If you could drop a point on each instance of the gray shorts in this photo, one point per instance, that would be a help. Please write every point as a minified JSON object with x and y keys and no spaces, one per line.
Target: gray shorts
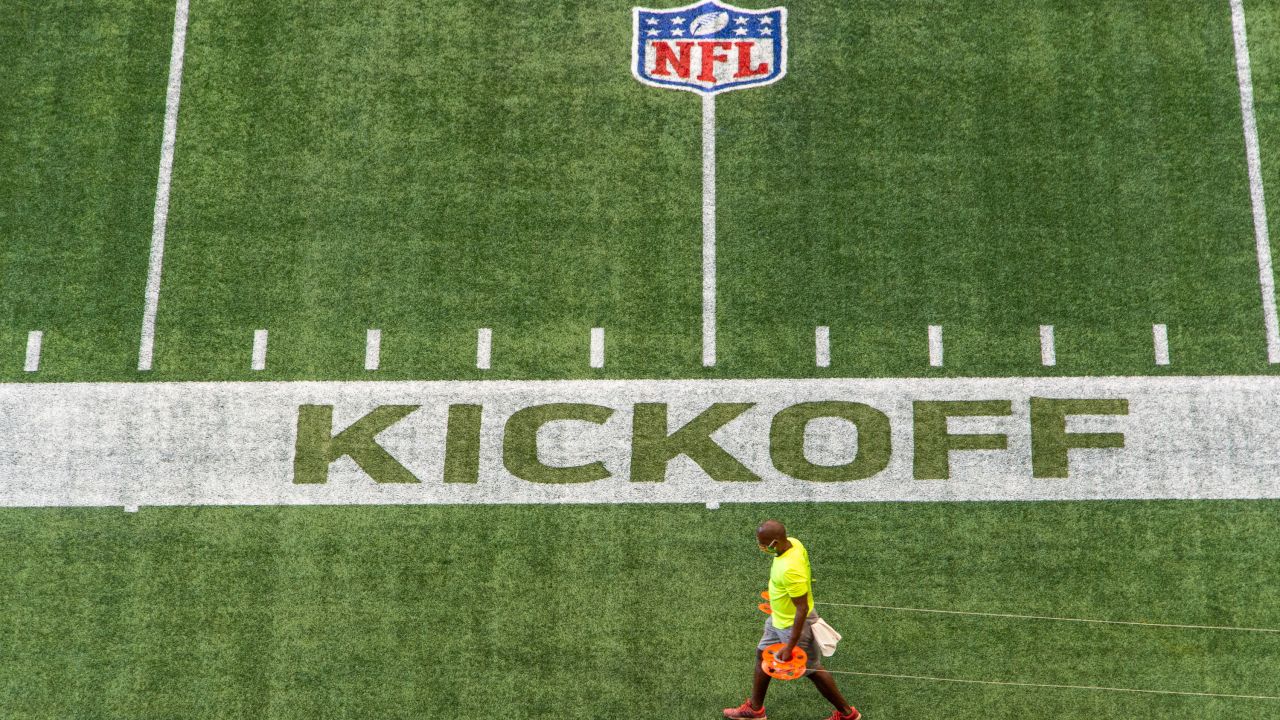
{"x":773,"y":635}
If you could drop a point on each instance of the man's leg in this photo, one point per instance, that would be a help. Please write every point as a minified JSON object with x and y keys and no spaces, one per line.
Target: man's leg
{"x":827,"y":686}
{"x":760,"y":685}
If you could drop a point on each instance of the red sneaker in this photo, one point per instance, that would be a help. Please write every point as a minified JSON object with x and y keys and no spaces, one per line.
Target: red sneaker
{"x":853,"y":715}
{"x":745,"y":711}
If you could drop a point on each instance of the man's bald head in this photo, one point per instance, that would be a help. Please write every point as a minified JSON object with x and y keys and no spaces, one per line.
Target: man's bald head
{"x":769,"y":531}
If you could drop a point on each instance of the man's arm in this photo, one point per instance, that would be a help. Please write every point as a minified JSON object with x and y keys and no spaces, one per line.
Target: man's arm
{"x":802,"y":612}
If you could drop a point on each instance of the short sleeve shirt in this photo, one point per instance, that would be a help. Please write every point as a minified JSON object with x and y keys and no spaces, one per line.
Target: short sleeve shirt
{"x":789,"y":577}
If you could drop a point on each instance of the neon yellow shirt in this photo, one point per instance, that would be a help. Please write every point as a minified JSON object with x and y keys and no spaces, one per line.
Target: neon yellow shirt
{"x":789,"y":577}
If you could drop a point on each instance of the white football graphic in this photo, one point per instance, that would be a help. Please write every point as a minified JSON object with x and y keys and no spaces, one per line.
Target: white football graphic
{"x":709,"y":23}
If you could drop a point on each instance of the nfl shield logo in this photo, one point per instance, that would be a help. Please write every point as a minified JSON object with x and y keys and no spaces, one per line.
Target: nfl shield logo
{"x":709,"y":47}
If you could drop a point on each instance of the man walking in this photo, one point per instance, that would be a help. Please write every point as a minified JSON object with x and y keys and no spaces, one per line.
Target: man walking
{"x":791,"y":599}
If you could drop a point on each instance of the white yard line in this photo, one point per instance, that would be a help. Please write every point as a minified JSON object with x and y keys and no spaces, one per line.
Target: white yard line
{"x":235,"y":443}
{"x":1160,"y":337}
{"x":597,"y":347}
{"x":1266,"y":278}
{"x":259,"y":350}
{"x":1012,"y":616}
{"x":708,"y":230}
{"x":160,"y":217}
{"x":34,"y":339}
{"x":1048,"y":354}
{"x":822,"y":343}
{"x":484,"y":347}
{"x":1056,"y":687}
{"x":935,"y":345}
{"x":372,"y":348}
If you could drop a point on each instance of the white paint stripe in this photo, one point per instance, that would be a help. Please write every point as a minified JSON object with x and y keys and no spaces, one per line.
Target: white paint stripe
{"x":372,"y":348}
{"x":259,"y":350}
{"x":1266,"y":277}
{"x":1048,"y":354}
{"x":597,"y":347}
{"x":34,"y":339}
{"x":708,"y":230}
{"x":1160,"y":337}
{"x":233,"y":443}
{"x":822,"y":341}
{"x":935,"y":345}
{"x":1054,"y":686}
{"x":131,"y":508}
{"x":160,"y":216}
{"x":484,"y":347}
{"x":1058,"y":619}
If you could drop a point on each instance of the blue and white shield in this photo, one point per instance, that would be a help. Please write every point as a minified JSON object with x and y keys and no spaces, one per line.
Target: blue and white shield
{"x":709,"y":47}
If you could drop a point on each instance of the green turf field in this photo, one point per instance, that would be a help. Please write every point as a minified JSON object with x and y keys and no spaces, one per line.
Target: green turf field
{"x":621,"y":612}
{"x":432,"y":168}
{"x":81,"y":111}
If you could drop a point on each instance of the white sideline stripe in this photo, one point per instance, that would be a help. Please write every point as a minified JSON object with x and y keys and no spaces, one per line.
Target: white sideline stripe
{"x":484,"y":345}
{"x":160,"y":217}
{"x":1012,"y":616}
{"x":1160,"y":336}
{"x":234,"y":443}
{"x":1048,"y":354}
{"x":372,"y":348}
{"x":1266,"y":278}
{"x":259,"y":350}
{"x":34,"y":339}
{"x":935,"y":345}
{"x":597,"y":347}
{"x":131,"y":508}
{"x":1054,"y":686}
{"x":708,"y":230}
{"x":822,"y":341}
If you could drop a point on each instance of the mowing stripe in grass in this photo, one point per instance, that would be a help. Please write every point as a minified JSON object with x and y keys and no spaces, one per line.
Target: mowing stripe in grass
{"x":32,"y":363}
{"x":1057,"y":687}
{"x":372,"y":348}
{"x":259,"y":361}
{"x":1257,"y":199}
{"x":1160,"y":337}
{"x":822,"y":339}
{"x":484,"y":343}
{"x":161,"y":215}
{"x":1048,"y":354}
{"x":1013,"y":616}
{"x":935,"y":345}
{"x":708,"y":230}
{"x":597,"y":347}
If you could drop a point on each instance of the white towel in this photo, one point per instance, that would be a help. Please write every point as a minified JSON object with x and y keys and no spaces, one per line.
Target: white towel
{"x":826,"y":636}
